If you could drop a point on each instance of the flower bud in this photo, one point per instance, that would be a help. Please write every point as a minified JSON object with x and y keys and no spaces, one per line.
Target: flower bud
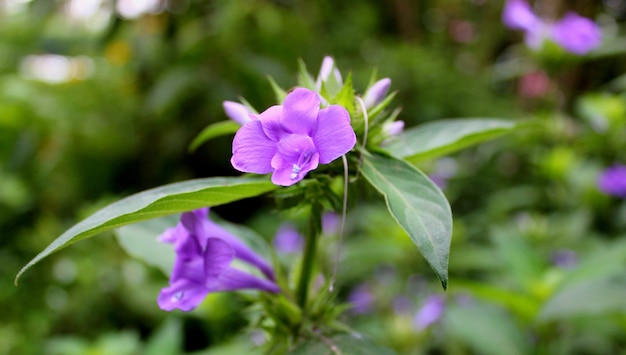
{"x":377,"y":92}
{"x":237,"y":112}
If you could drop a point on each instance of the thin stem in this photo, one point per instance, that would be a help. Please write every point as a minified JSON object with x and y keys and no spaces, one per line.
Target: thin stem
{"x":343,"y":222}
{"x":310,"y":249}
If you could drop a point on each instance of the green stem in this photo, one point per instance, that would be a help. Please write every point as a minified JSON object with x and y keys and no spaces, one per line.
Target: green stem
{"x":310,"y":249}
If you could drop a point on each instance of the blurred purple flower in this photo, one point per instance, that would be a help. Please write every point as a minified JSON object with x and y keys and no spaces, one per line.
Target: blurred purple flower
{"x":431,"y":311}
{"x":237,"y":112}
{"x":288,"y":240}
{"x":204,"y":254}
{"x":376,"y":93}
{"x":576,"y":34}
{"x":402,"y":305}
{"x":564,"y":258}
{"x":330,"y":223}
{"x":292,"y":139}
{"x":361,"y":299}
{"x":612,"y":181}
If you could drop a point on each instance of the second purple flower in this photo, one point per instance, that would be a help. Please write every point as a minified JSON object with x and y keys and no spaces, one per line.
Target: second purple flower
{"x":291,"y":139}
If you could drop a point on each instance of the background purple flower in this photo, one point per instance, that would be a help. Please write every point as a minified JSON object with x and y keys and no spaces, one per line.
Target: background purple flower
{"x":612,"y":181}
{"x":288,"y":240}
{"x":290,"y":140}
{"x":431,"y":311}
{"x":203,"y":264}
{"x":577,"y":34}
{"x":362,"y":299}
{"x":574,"y":33}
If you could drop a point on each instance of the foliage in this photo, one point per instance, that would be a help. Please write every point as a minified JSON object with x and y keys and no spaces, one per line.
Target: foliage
{"x":537,"y":250}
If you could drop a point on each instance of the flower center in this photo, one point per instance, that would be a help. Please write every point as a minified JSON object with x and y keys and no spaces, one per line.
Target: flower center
{"x":303,"y":160}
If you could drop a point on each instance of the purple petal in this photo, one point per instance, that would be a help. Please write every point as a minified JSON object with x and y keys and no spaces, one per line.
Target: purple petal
{"x":431,"y":311}
{"x":233,"y":279}
{"x":376,"y":93}
{"x":217,"y":257}
{"x":171,"y":235}
{"x":203,"y":228}
{"x":237,"y":112}
{"x":184,"y":294}
{"x":577,"y":34}
{"x":518,"y":15}
{"x":252,"y":149}
{"x":300,"y":110}
{"x":612,"y":181}
{"x":334,"y":136}
{"x":270,"y":120}
{"x":286,"y":174}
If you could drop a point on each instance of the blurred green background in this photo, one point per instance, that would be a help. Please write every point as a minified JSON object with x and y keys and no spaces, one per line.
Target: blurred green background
{"x":100,"y":99}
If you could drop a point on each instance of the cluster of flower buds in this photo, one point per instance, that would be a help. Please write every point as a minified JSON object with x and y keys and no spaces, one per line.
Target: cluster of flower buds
{"x":315,"y":123}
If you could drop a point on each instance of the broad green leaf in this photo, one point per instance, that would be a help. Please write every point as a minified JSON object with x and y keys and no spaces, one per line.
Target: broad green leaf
{"x":345,"y":344}
{"x":167,"y":339}
{"x":417,"y":204}
{"x":587,"y":298}
{"x":214,"y":130}
{"x":442,"y":137}
{"x":140,"y":241}
{"x":486,"y":329}
{"x":157,"y":202}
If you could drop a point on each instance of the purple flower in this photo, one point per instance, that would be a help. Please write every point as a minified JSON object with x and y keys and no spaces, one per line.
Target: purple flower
{"x":288,"y":240}
{"x":204,"y":256}
{"x":361,"y":299}
{"x":612,"y":181}
{"x":290,"y":140}
{"x":431,"y":311}
{"x":237,"y":112}
{"x":376,"y":93}
{"x":574,"y":33}
{"x":564,"y":258}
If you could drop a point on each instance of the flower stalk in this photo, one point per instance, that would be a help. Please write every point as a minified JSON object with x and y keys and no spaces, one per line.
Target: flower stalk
{"x":313,"y":232}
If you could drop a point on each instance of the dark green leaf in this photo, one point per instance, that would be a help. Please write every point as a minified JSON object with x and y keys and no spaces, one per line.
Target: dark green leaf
{"x":442,"y":137}
{"x":157,"y":202}
{"x":214,"y":130}
{"x":417,"y":204}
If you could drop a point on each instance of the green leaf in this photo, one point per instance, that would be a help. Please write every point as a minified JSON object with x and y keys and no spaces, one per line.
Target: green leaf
{"x":485,"y":329}
{"x":157,"y":202}
{"x":417,"y":204}
{"x":345,"y":344}
{"x":587,"y":298}
{"x":434,"y":139}
{"x":140,"y":241}
{"x":304,"y":78}
{"x":214,"y":130}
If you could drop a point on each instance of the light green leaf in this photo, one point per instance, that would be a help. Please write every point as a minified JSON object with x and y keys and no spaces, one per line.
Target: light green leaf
{"x":140,"y":241}
{"x":417,"y":204}
{"x":157,"y":202}
{"x":341,"y":344}
{"x":587,"y":298}
{"x":214,"y":130}
{"x":486,"y":329}
{"x":434,"y":139}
